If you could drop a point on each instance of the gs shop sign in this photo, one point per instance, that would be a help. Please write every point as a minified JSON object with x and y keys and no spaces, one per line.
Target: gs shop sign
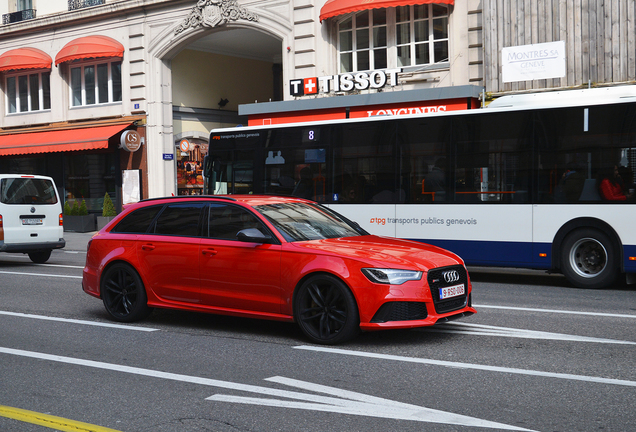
{"x":344,"y":82}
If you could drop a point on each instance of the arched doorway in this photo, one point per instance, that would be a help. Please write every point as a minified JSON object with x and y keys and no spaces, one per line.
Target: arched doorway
{"x":211,"y":77}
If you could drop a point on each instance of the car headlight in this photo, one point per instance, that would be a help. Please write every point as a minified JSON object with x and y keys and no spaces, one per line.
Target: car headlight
{"x":391,"y":276}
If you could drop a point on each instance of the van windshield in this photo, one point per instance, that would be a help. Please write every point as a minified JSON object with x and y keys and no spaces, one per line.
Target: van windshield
{"x":27,"y":191}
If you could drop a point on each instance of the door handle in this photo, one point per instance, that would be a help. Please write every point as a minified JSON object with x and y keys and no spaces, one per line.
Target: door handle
{"x":147,"y":247}
{"x":209,"y":252}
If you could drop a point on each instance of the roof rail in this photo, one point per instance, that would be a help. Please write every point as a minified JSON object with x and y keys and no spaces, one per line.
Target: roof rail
{"x":228,"y":198}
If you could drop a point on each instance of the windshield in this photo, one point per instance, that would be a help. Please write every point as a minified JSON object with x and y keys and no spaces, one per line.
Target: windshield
{"x":300,"y":222}
{"x":26,"y":190}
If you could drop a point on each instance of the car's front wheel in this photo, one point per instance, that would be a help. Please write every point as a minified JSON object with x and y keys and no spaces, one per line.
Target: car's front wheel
{"x":124,"y":294}
{"x":326,"y":311}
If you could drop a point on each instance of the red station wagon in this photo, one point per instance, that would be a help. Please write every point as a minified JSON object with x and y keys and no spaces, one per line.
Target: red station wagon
{"x":276,"y":258}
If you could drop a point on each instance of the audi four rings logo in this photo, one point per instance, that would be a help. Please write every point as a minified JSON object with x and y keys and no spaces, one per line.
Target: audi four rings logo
{"x":451,"y":276}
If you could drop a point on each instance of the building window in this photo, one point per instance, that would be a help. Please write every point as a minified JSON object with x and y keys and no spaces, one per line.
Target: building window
{"x":394,"y":37}
{"x":96,"y":83}
{"x":362,"y":41}
{"x":24,"y":5}
{"x":30,"y":92}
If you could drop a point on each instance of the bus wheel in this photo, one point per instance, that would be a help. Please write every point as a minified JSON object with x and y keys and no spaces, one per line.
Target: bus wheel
{"x":588,"y":259}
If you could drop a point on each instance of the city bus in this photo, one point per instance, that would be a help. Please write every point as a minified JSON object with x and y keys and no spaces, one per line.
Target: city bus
{"x":520,"y":183}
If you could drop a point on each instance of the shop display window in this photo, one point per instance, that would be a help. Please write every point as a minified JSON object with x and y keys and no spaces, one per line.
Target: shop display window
{"x":88,"y":177}
{"x":190,"y":153}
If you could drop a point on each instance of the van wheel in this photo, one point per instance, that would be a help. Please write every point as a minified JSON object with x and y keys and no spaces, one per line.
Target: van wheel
{"x":588,"y":259}
{"x":40,"y":257}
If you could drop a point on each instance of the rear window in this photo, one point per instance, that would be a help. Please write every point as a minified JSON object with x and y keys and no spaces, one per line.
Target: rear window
{"x":138,"y":221}
{"x":27,"y":191}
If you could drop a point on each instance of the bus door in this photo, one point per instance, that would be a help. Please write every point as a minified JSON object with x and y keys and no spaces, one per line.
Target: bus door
{"x":229,"y":172}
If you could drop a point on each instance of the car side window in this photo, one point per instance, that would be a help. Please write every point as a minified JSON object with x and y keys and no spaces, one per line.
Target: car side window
{"x":138,"y":221}
{"x":225,"y":221}
{"x":180,"y":219}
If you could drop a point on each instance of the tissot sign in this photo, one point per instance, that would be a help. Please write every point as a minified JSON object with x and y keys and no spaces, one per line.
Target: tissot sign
{"x":344,"y":82}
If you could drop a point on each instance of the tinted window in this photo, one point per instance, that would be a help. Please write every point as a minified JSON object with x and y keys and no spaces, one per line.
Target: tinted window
{"x":575,"y":157}
{"x":27,"y":191}
{"x":225,"y":221}
{"x":180,"y":219}
{"x":492,"y":163}
{"x":137,"y":221}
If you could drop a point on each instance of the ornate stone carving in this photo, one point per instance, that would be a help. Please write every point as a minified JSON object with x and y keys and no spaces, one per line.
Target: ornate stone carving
{"x":213,"y":13}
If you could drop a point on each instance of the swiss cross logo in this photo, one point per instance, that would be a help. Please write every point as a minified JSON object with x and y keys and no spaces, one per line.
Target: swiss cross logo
{"x":306,"y":86}
{"x":310,"y":85}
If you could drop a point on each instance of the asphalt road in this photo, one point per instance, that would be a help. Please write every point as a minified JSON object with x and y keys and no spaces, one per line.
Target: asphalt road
{"x":539,"y":355}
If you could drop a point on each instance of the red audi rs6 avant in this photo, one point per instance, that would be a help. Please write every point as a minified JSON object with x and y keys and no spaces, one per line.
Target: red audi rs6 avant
{"x":276,"y":258}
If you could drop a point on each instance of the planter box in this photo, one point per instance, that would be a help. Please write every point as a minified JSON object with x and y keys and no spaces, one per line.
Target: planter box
{"x":102,"y":221}
{"x":79,"y":223}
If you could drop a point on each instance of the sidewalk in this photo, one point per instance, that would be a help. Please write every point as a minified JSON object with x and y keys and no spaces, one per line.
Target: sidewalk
{"x":77,"y":241}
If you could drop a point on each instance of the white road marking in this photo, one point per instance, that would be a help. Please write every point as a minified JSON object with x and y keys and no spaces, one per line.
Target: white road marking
{"x":345,"y":402}
{"x":60,"y":265}
{"x":40,"y":274}
{"x":486,"y":330}
{"x":457,"y":365}
{"x":75,"y":321}
{"x":557,"y":311}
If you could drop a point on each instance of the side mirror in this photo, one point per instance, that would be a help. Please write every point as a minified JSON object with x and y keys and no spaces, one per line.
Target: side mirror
{"x":253,"y":235}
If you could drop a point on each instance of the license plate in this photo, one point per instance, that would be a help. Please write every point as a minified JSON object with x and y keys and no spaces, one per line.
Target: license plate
{"x":32,"y":221}
{"x":451,"y":291}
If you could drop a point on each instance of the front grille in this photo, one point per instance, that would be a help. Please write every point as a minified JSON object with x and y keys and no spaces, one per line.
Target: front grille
{"x":436,"y":281}
{"x":400,"y":311}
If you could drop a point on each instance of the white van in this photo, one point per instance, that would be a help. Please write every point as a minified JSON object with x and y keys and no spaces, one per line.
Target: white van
{"x":30,"y":216}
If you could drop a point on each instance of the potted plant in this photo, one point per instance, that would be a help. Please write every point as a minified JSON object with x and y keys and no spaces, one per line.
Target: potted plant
{"x":77,"y":218}
{"x":108,"y":212}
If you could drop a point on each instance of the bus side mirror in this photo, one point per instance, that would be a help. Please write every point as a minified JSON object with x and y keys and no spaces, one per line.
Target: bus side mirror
{"x":206,"y":166}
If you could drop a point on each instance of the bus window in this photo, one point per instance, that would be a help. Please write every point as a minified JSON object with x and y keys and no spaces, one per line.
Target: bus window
{"x":492,"y":159}
{"x":578,"y":147}
{"x":365,"y":164}
{"x":424,"y":159}
{"x":298,"y":170}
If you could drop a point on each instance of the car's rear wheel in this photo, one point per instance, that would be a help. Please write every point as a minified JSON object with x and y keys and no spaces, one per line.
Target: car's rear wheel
{"x":326,"y":311}
{"x":124,"y":294}
{"x":40,"y":257}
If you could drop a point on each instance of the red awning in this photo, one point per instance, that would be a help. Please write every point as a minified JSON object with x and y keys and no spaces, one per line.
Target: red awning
{"x":89,"y":47}
{"x":88,"y":138}
{"x":340,"y":7}
{"x":24,"y":58}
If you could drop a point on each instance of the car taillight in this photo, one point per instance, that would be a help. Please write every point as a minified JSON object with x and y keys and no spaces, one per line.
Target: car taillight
{"x":1,"y":230}
{"x":88,"y":245}
{"x":0,"y":221}
{"x":61,"y":219}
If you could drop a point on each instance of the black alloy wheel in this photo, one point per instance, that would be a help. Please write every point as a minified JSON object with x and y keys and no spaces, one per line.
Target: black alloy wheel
{"x":326,"y":311}
{"x":124,"y":294}
{"x":40,"y":257}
